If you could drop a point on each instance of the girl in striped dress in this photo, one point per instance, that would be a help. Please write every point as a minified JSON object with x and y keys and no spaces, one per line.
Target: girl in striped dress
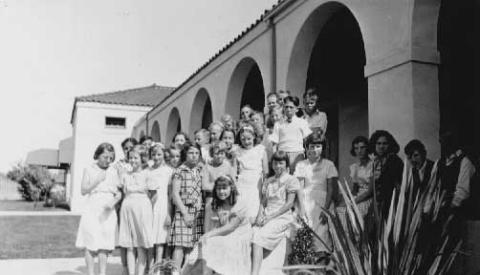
{"x":187,"y":224}
{"x":135,"y":232}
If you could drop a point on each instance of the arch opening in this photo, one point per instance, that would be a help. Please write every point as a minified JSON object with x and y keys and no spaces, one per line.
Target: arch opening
{"x":245,"y":87}
{"x":155,"y":132}
{"x":201,"y":115}
{"x":458,"y":86}
{"x":174,"y":124}
{"x":329,"y":55}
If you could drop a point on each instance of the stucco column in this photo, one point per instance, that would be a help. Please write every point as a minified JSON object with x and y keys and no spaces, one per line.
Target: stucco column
{"x":403,"y":99}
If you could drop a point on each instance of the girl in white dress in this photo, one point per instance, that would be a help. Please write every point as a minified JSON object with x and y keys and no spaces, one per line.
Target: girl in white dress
{"x":96,"y":231}
{"x":158,"y":180}
{"x":275,"y":214}
{"x":318,"y":176}
{"x":226,"y":249}
{"x":252,"y":165}
{"x":136,"y":224}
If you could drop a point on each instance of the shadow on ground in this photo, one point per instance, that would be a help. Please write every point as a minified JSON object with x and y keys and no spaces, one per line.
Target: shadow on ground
{"x":112,"y":269}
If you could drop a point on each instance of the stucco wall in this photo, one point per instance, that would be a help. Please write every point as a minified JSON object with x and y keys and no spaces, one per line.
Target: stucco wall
{"x":89,"y":131}
{"x":401,"y":64}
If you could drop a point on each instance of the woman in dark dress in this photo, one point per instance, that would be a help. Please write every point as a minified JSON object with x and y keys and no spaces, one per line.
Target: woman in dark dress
{"x":387,"y":168}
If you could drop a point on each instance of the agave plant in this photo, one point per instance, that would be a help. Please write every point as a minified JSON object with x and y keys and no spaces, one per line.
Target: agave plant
{"x":412,"y":239}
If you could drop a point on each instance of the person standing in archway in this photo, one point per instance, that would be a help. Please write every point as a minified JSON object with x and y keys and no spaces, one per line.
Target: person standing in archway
{"x":288,"y":135}
{"x":316,"y":119}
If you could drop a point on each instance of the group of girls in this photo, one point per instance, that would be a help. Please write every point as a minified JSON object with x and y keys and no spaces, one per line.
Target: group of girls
{"x":220,"y":203}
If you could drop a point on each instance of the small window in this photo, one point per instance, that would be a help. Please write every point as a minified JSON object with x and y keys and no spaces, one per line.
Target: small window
{"x":115,"y":122}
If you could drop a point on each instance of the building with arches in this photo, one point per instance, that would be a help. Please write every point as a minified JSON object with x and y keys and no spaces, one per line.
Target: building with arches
{"x":107,"y":117}
{"x":390,"y":65}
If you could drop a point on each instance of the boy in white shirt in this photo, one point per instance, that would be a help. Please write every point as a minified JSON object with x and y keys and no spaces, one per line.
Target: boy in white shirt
{"x":288,"y":135}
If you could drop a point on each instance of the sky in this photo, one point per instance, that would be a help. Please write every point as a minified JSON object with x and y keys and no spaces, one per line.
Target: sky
{"x":54,"y":50}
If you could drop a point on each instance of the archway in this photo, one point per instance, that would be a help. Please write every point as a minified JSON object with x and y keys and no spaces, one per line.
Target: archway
{"x":245,"y":87}
{"x":458,"y":72}
{"x":174,"y":124}
{"x":329,"y":54}
{"x":201,"y":115}
{"x":155,"y":133}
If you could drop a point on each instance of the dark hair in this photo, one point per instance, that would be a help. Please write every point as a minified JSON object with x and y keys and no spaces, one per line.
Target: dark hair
{"x":284,"y":91}
{"x":393,"y":146}
{"x":279,"y":156}
{"x":312,"y":91}
{"x":187,"y":140}
{"x":141,"y":150}
{"x":186,"y":147}
{"x":292,"y":99}
{"x":142,"y":139}
{"x":131,"y":140}
{"x":247,"y":127}
{"x":102,"y":148}
{"x":358,"y":140}
{"x":216,"y":202}
{"x":415,"y":145}
{"x":316,"y":138}
{"x":228,"y":130}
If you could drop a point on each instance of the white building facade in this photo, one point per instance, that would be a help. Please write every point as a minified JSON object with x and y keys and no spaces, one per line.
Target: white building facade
{"x":108,"y":118}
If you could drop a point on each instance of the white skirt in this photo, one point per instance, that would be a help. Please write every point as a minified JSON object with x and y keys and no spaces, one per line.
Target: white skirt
{"x":98,"y":224}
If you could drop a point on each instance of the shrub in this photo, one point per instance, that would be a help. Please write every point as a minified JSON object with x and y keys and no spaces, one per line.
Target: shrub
{"x":34,"y":181}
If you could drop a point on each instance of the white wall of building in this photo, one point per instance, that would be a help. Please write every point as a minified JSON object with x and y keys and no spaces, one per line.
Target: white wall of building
{"x":89,"y":130}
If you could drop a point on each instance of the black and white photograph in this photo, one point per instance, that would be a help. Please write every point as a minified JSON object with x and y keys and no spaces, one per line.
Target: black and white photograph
{"x":240,"y":137}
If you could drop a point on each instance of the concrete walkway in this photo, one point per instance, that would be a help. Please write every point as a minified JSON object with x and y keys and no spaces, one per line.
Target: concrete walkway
{"x":38,"y":213}
{"x":63,"y":266}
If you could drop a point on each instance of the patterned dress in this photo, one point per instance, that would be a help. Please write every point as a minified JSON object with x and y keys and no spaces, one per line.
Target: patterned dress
{"x":275,"y":190}
{"x":315,"y":176}
{"x":190,"y":180}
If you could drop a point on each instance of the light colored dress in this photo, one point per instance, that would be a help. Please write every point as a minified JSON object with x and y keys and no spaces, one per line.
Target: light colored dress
{"x":362,"y":175}
{"x":275,"y":190}
{"x":229,"y":254}
{"x":250,"y":172}
{"x":136,"y":225}
{"x":159,"y":180}
{"x":315,"y":177}
{"x":98,"y":223}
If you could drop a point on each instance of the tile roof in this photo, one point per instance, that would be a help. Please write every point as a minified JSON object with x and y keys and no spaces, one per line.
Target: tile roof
{"x":279,"y":6}
{"x":148,"y":96}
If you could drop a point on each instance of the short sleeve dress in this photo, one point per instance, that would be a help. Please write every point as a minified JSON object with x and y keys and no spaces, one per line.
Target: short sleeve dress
{"x":250,"y":171}
{"x":191,"y":195}
{"x":275,"y":190}
{"x":158,"y":179}
{"x":136,"y":214}
{"x":315,"y":176}
{"x":228,"y":254}
{"x":362,"y":175}
{"x":98,"y":223}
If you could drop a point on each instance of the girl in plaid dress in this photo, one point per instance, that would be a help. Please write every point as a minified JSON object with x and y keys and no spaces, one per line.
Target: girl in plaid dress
{"x":187,"y":224}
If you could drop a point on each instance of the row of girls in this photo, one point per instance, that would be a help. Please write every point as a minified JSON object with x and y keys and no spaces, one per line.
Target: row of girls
{"x":220,"y":202}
